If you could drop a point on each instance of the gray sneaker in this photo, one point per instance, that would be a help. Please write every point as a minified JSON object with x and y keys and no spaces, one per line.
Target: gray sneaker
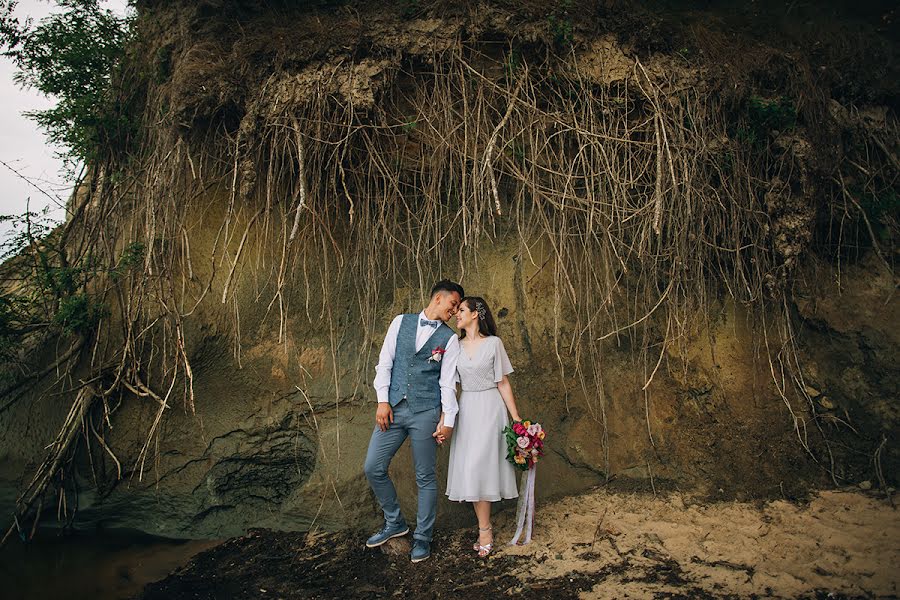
{"x":420,"y":551}
{"x":387,"y":532}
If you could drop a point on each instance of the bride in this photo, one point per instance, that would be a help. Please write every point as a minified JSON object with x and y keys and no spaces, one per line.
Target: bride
{"x":479,"y":472}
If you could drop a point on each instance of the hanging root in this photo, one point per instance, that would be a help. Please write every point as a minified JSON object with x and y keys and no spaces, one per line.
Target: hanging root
{"x":58,"y":454}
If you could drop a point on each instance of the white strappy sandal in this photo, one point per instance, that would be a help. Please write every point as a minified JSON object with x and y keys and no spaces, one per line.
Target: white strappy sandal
{"x":484,"y":550}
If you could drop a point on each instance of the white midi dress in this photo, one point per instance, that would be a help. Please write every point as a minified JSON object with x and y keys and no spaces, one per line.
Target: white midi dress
{"x":478,"y":468}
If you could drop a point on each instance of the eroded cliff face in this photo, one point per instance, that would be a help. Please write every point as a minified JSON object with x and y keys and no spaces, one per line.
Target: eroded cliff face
{"x":718,"y":401}
{"x":271,"y":443}
{"x":259,"y":453}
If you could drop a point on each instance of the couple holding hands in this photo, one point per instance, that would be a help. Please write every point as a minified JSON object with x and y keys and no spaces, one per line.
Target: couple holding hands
{"x":421,"y":361}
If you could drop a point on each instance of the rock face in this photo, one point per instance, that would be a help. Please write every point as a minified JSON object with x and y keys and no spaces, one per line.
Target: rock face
{"x":849,"y":340}
{"x":272,"y":427}
{"x":233,"y":485}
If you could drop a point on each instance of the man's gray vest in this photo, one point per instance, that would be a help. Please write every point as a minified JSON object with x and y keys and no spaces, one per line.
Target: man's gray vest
{"x":413,"y":376}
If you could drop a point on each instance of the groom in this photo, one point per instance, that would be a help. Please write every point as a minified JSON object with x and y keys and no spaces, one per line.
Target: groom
{"x":415,"y":384}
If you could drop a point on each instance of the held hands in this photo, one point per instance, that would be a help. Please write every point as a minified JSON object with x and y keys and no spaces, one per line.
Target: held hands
{"x":441,"y":433}
{"x":384,"y":416}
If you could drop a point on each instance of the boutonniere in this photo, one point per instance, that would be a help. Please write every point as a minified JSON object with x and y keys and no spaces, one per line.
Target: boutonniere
{"x":437,"y":354}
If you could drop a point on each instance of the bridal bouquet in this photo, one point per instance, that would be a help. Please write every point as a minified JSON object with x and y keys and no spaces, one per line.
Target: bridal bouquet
{"x":524,"y":448}
{"x":524,"y":444}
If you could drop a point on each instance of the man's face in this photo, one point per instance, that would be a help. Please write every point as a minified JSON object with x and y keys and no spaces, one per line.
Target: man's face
{"x":447,"y":305}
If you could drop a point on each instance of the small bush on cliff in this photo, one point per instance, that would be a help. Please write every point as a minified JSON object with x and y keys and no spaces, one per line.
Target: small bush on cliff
{"x":560,"y":25}
{"x":45,"y":292}
{"x":764,"y":116}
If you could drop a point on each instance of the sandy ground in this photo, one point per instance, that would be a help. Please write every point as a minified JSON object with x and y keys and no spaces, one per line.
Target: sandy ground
{"x":598,"y":545}
{"x":842,"y":542}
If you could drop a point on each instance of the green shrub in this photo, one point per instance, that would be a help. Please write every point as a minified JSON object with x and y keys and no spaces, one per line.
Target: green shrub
{"x":560,"y":24}
{"x":73,"y":56}
{"x":762,"y":116}
{"x":131,"y":257}
{"x":79,"y":314}
{"x":771,"y":114}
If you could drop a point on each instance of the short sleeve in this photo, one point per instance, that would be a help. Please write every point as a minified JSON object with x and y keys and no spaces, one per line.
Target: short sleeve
{"x":502,"y":366}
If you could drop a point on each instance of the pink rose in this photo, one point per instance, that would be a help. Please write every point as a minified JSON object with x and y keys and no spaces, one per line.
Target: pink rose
{"x":534,"y":429}
{"x":522,"y":442}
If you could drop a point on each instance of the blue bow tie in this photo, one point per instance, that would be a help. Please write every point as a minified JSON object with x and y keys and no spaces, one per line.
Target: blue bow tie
{"x":427,"y":323}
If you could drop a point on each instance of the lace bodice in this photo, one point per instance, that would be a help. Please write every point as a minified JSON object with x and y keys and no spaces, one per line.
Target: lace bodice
{"x":486,"y":368}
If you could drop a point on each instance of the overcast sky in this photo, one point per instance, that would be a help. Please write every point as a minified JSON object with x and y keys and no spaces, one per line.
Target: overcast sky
{"x":22,"y":145}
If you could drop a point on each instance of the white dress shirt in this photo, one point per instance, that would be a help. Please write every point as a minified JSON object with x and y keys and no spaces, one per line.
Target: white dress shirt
{"x":382,"y":383}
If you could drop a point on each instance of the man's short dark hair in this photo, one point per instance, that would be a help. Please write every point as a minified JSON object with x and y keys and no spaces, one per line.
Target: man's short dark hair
{"x":445,"y":285}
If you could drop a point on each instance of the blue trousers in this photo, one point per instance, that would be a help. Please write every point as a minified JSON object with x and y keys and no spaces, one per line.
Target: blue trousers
{"x":382,"y":447}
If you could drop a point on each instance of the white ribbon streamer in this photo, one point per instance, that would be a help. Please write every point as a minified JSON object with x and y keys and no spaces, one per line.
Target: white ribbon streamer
{"x":525,"y":508}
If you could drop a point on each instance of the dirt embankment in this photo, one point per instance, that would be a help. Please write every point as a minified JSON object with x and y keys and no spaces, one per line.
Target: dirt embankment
{"x":615,"y":259}
{"x":601,"y":545}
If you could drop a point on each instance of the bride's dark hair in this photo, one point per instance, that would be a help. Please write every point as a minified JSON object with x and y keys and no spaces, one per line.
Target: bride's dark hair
{"x":486,"y":325}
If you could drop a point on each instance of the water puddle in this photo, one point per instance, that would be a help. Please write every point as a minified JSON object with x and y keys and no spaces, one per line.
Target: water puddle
{"x":95,"y":567}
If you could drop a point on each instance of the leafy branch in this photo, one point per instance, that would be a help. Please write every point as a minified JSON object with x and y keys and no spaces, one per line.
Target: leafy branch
{"x":75,"y":56}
